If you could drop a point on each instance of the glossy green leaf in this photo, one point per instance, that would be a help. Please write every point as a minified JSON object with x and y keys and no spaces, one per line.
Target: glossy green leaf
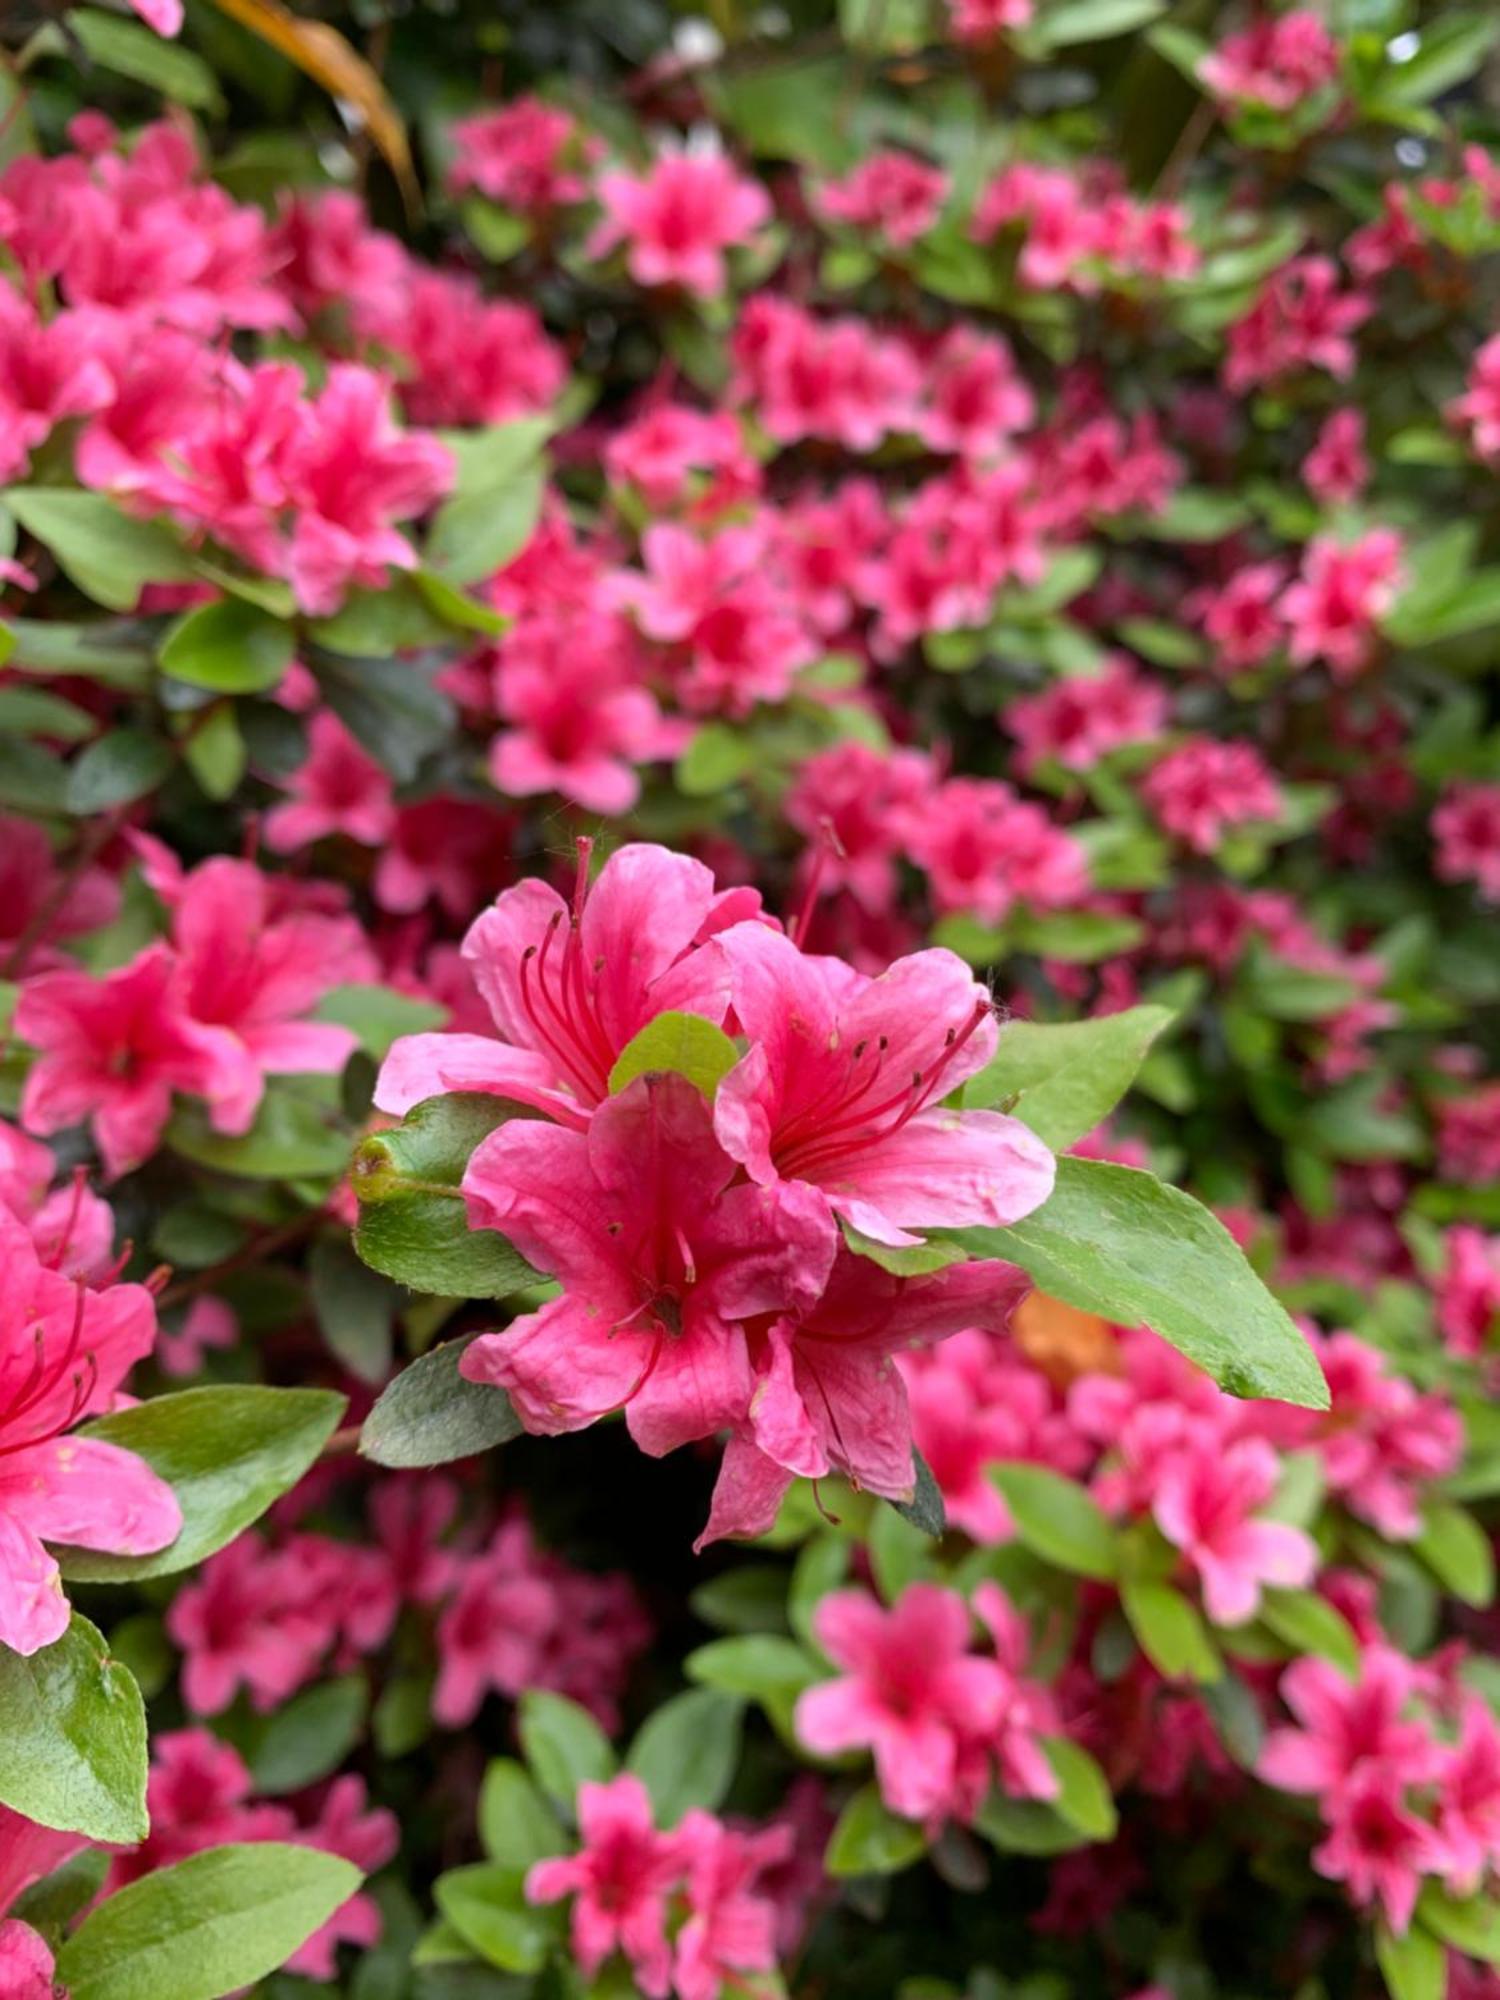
{"x":869,"y":1839}
{"x":562,"y":1743}
{"x":73,"y":1738}
{"x":430,"y":1415}
{"x":1059,"y":1520}
{"x":680,"y":1045}
{"x":1062,"y":1080}
{"x":687,"y":1752}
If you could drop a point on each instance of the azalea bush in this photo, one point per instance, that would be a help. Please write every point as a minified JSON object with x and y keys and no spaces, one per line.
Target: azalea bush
{"x":750,"y":1106}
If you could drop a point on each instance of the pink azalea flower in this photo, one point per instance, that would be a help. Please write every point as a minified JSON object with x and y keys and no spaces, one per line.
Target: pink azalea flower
{"x":339,"y":788}
{"x":984,"y":850}
{"x":50,"y":370}
{"x":569,"y":986}
{"x":1469,"y":1800}
{"x":1205,"y":1506}
{"x":661,"y":1263}
{"x":198,"y":1795}
{"x":619,"y":1880}
{"x":827,"y":1395}
{"x":866,"y":799}
{"x":678,"y":219}
{"x":72,"y":1228}
{"x":454,"y":851}
{"x":246,"y":977}
{"x":27,"y":1853}
{"x":844,"y":1084}
{"x":893,"y":194}
{"x":525,"y":155}
{"x":974,"y":395}
{"x":1478,"y":409}
{"x":1466,"y":826}
{"x":112,"y":1051}
{"x":1349,"y":1729}
{"x":1337,"y":469}
{"x":248,"y":1619}
{"x":731,"y":1923}
{"x":913,"y":1692}
{"x":662,"y":449}
{"x":1300,"y":319}
{"x":1468,"y":1299}
{"x":64,"y":1351}
{"x":1243,"y":620}
{"x":1278,"y":61}
{"x":1206,"y":787}
{"x":165,"y":16}
{"x":1344,"y":589}
{"x":26,"y":1965}
{"x":1381,"y":1440}
{"x":1379,"y":1849}
{"x":1022,"y":1767}
{"x":1079,"y":720}
{"x":207,"y":1324}
{"x":469,"y":359}
{"x":367,"y":1838}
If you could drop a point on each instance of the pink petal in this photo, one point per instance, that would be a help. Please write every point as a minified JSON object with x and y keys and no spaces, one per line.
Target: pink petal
{"x":93,"y":1494}
{"x":422,"y":1066}
{"x":33,"y":1610}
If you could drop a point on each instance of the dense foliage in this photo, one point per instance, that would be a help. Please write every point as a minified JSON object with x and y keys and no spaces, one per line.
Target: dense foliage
{"x":750,"y":1121}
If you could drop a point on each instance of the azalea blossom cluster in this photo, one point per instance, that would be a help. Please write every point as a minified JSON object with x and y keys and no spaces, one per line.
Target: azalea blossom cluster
{"x":705,"y":1282}
{"x":611,"y":783}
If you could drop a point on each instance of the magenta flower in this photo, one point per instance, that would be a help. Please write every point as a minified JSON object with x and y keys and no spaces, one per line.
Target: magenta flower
{"x":1378,"y":1847}
{"x":678,"y":219}
{"x":844,"y":1084}
{"x":1349,"y":1728}
{"x":247,"y":976}
{"x":730,"y":1928}
{"x":828,"y":1396}
{"x":1205,"y":1505}
{"x":113,"y":1050}
{"x":912,"y":1692}
{"x":64,"y":1351}
{"x":619,"y":1881}
{"x":25,"y":1963}
{"x":662,"y":1262}
{"x":568,"y":987}
{"x":338,"y":789}
{"x":27,"y":1853}
{"x":1469,"y":1800}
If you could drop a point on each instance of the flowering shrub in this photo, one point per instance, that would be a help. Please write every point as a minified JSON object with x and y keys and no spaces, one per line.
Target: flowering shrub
{"x":750,"y":1111}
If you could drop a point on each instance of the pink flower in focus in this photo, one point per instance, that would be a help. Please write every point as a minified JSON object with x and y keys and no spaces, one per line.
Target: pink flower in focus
{"x":843,"y":1086}
{"x":1466,"y":827}
{"x":338,"y":788}
{"x":64,"y":1351}
{"x":619,"y":1880}
{"x":112,"y":1051}
{"x":893,"y":194}
{"x":569,"y":986}
{"x":678,"y":219}
{"x":660,"y":1259}
{"x":912,"y":1692}
{"x":1205,"y":1505}
{"x":827,"y":1394}
{"x":1205,"y":787}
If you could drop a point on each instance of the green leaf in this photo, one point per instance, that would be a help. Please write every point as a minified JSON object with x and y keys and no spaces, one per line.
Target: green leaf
{"x":1458,"y":1552}
{"x":516,"y":1825}
{"x":1310,"y":1624}
{"x":562,"y":1743}
{"x":413,"y":1225}
{"x":762,"y":1665}
{"x":1115,"y":1241}
{"x":129,"y":49}
{"x":117,"y":768}
{"x":1079,"y":937}
{"x":227,"y":1453}
{"x":1094,"y":20}
{"x":718,"y":757}
{"x":488,"y":459}
{"x":925,"y":1509}
{"x":749,"y":1598}
{"x":1059,"y":1520}
{"x":110,"y":557}
{"x":476,"y":533}
{"x":914,"y":1260}
{"x":681,"y":1044}
{"x":898,"y":1551}
{"x":498,"y":233}
{"x":356,"y":1308}
{"x":1171,"y":1632}
{"x":214,"y":751}
{"x":687,"y":1751}
{"x":28,"y":711}
{"x":486,"y":1904}
{"x":884,"y":27}
{"x":231,"y":647}
{"x":1449,"y":51}
{"x":430,"y":1415}
{"x":294,"y":1137}
{"x":73,"y":1738}
{"x":216,"y":1922}
{"x":1026,"y":1826}
{"x":1471,"y":1926}
{"x":1414,"y":1966}
{"x":869,"y":1839}
{"x":1084,"y":1799}
{"x":1065,"y":1079}
{"x":310,"y":1736}
{"x":392,"y":707}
